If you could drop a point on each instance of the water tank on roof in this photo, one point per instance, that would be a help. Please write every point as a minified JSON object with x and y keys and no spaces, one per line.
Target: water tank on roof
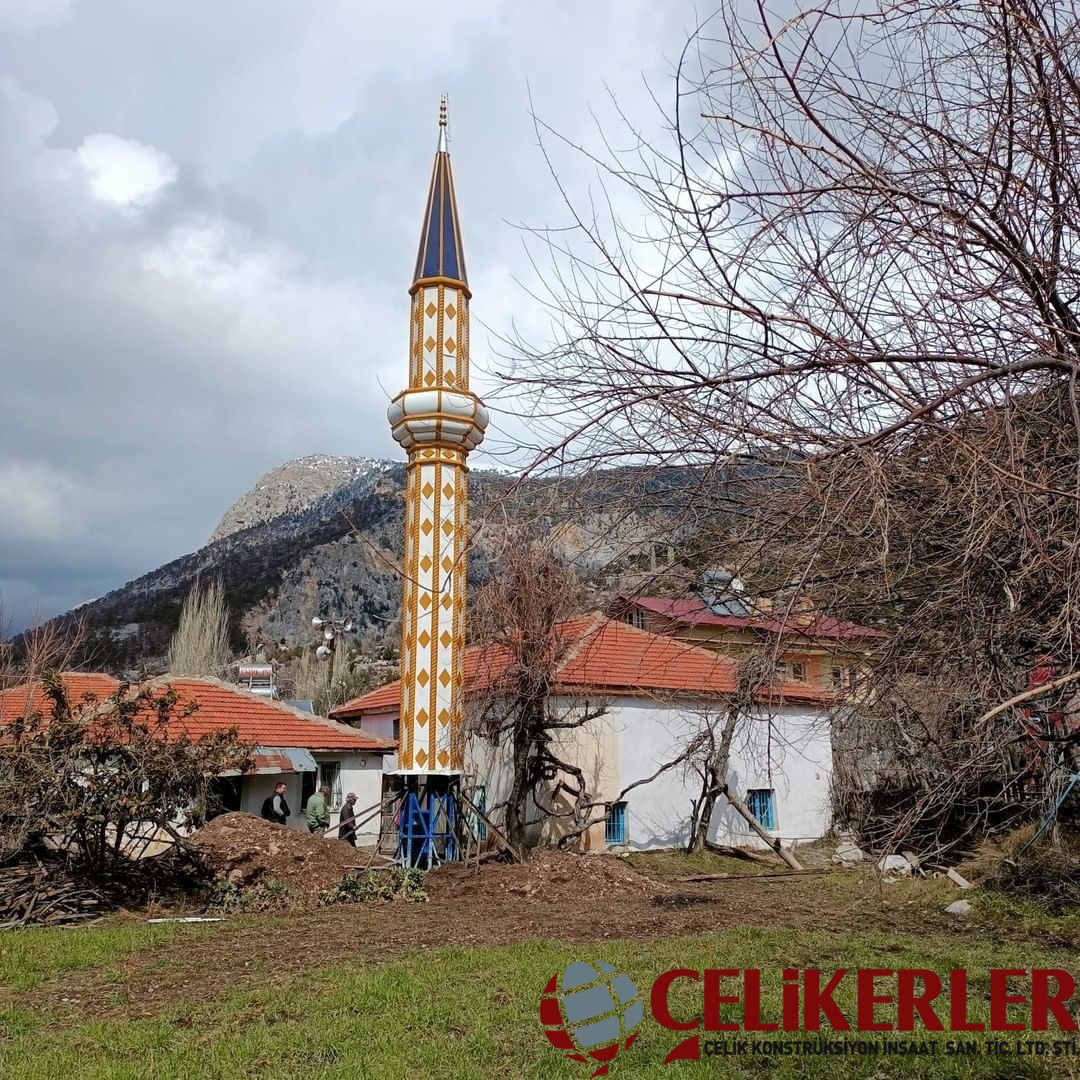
{"x":723,"y":593}
{"x":258,"y":678}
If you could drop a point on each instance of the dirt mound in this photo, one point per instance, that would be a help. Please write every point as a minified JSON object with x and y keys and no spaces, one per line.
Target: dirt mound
{"x":548,"y":876}
{"x":244,"y":850}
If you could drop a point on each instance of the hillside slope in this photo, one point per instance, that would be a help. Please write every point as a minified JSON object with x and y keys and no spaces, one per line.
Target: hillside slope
{"x":322,"y":535}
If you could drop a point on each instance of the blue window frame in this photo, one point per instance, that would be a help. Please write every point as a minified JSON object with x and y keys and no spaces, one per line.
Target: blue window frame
{"x":761,"y":802}
{"x":479,"y":800}
{"x":615,"y":823}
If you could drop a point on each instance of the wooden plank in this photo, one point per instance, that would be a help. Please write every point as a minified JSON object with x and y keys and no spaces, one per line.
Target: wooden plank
{"x":773,"y":841}
{"x":502,"y":841}
{"x":755,"y":877}
{"x":958,"y":879}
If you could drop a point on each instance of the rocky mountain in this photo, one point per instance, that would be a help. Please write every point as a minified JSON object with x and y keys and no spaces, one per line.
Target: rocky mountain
{"x":322,"y":535}
{"x":295,"y":487}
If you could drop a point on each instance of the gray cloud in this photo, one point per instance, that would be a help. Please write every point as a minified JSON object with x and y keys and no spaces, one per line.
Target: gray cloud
{"x":208,"y":216}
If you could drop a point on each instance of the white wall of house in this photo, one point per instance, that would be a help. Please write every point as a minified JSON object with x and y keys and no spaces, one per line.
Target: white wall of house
{"x":360,"y":773}
{"x":382,"y":725}
{"x":791,"y":757}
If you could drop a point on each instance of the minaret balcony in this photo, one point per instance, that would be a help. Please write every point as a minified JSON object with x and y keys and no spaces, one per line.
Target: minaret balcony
{"x":449,"y":418}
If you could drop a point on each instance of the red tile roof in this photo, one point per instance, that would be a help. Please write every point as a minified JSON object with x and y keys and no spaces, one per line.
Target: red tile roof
{"x":695,"y":612}
{"x":259,"y":721}
{"x":482,"y":668}
{"x":30,"y":697}
{"x":603,"y":655}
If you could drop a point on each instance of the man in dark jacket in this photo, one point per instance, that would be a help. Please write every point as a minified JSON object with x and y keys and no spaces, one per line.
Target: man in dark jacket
{"x":274,"y":807}
{"x":347,"y":829}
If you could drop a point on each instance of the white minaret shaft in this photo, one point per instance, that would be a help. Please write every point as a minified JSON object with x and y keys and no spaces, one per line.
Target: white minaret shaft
{"x":438,"y":421}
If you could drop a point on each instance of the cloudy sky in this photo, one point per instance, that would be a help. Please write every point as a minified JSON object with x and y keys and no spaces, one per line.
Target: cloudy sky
{"x":208,"y":218}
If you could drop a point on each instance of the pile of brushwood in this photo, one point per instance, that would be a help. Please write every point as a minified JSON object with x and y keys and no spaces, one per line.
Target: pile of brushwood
{"x":268,"y":894}
{"x":63,"y":892}
{"x":42,"y":896}
{"x":384,"y":883}
{"x":1046,"y":871}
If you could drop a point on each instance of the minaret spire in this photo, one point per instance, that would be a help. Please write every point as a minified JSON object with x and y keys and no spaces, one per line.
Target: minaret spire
{"x":443,"y":148}
{"x":437,"y":420}
{"x":441,"y":256}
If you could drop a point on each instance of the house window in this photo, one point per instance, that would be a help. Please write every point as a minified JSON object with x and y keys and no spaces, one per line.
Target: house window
{"x":761,"y":802}
{"x":636,"y":618}
{"x":615,"y":823}
{"x":839,"y":678}
{"x":330,"y":777}
{"x":479,"y":800}
{"x":791,"y":669}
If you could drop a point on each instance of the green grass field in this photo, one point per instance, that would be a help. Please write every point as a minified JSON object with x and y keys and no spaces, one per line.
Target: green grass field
{"x":450,"y":1013}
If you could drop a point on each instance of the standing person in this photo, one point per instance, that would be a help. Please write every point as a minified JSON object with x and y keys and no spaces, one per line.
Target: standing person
{"x":316,"y":812}
{"x":274,"y":807}
{"x":347,"y":829}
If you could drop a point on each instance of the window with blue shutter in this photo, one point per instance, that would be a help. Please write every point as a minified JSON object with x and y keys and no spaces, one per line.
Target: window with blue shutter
{"x":615,"y":823}
{"x":761,"y":802}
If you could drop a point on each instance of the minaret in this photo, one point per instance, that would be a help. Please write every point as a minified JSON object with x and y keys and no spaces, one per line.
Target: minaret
{"x":438,"y":421}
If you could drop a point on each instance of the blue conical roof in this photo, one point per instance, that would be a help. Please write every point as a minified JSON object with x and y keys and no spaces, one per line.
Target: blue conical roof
{"x":441,"y":253}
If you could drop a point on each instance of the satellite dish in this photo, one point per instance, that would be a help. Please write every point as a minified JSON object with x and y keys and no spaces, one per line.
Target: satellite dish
{"x":323,"y":652}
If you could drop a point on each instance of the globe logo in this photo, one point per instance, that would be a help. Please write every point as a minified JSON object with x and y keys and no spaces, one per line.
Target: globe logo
{"x":591,"y":1011}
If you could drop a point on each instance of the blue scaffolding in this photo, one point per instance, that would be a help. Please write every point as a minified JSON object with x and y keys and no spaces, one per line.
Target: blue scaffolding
{"x":429,"y":821}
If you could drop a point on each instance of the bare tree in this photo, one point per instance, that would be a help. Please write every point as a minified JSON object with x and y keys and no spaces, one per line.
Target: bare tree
{"x":200,"y":645}
{"x":852,"y":257}
{"x":52,"y":646}
{"x":708,"y":751}
{"x":101,"y":779}
{"x":522,"y":624}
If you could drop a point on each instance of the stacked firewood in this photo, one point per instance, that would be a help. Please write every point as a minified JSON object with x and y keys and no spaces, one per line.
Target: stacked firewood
{"x":34,"y":896}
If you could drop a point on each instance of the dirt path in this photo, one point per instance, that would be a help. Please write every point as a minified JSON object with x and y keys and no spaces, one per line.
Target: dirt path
{"x":504,"y":905}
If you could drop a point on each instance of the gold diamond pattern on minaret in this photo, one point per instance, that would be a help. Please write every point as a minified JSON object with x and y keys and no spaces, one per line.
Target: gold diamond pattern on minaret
{"x":438,"y":421}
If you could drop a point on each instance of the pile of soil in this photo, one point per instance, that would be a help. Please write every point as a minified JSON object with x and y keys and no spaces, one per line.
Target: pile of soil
{"x":548,"y":877}
{"x":245,"y":850}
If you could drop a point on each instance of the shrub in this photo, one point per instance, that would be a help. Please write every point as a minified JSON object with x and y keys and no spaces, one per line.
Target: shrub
{"x":228,"y":898}
{"x":391,"y":883}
